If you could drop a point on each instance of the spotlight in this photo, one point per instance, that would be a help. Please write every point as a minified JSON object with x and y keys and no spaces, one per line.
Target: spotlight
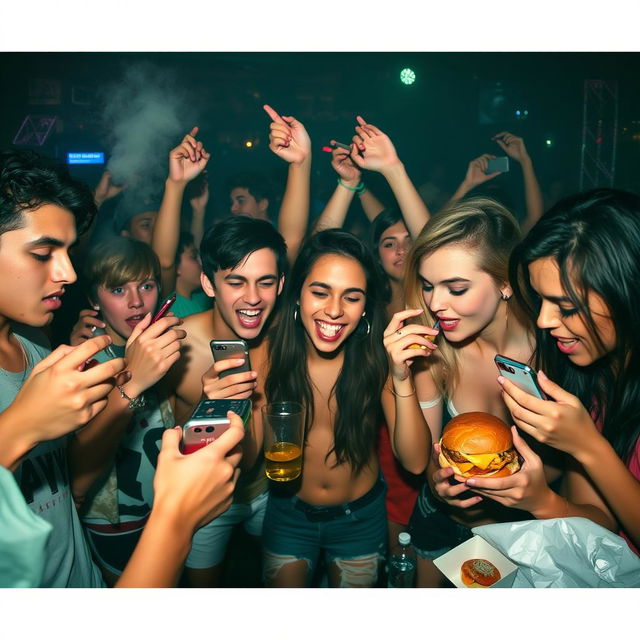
{"x":248,"y":144}
{"x":407,"y":76}
{"x":549,"y":142}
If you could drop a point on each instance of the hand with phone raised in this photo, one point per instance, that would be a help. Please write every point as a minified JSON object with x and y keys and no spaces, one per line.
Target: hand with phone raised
{"x":59,"y":397}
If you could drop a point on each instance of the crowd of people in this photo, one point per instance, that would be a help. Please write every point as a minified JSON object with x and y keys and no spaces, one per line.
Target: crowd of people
{"x":381,"y":337}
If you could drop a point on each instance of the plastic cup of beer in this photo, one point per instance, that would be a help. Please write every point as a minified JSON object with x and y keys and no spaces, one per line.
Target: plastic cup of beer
{"x":282,"y":427}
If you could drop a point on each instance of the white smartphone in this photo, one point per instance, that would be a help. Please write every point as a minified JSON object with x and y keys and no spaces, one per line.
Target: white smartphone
{"x":522,"y":375}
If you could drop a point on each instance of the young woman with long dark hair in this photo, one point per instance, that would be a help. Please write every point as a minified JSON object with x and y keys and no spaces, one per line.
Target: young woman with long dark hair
{"x":578,"y":273}
{"x":327,"y":354}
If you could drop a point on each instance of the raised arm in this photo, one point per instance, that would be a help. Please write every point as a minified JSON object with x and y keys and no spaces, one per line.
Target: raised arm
{"x":372,"y":149}
{"x":349,"y":183}
{"x":289,"y":140}
{"x":198,"y":211}
{"x":475,"y":176}
{"x":186,"y":161}
{"x":408,"y":431}
{"x":514,"y":147}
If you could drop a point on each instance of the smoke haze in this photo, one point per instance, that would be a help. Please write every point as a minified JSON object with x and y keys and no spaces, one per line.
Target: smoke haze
{"x":145,"y":115}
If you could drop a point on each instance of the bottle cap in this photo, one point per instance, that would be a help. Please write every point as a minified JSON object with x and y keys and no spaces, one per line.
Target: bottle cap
{"x":404,"y":538}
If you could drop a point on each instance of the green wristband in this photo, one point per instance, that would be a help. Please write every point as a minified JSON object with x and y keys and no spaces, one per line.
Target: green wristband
{"x":359,"y":189}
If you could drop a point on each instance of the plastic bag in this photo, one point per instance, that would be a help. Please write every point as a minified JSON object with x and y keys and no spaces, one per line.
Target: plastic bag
{"x":564,"y":552}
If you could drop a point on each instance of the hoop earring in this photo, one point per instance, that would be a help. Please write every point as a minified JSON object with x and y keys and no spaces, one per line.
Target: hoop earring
{"x":295,"y":314}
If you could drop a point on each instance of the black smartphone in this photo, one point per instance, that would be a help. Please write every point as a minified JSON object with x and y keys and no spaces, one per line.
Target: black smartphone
{"x":522,"y":375}
{"x":497,"y":164}
{"x":209,"y":421}
{"x":164,"y":308}
{"x":231,"y":349}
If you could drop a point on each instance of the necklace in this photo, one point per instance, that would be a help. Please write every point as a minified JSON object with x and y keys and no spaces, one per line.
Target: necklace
{"x":25,"y":364}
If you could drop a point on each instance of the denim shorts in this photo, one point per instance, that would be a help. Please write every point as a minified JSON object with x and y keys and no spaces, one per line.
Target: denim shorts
{"x":209,"y":543}
{"x":295,"y":528}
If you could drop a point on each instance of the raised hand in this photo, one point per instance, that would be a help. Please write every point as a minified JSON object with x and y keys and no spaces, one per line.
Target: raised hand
{"x":512,"y":145}
{"x":151,"y":350}
{"x":288,"y":138}
{"x":372,"y":149}
{"x":193,"y":489}
{"x":188,"y":159}
{"x":343,"y":165}
{"x":58,"y":396}
{"x":476,"y":171}
{"x":403,"y":343}
{"x":234,"y":386}
{"x":105,"y":190}
{"x":85,"y":326}
{"x":199,"y":202}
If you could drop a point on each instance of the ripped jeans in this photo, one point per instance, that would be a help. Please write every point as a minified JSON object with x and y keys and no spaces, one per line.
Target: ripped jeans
{"x":353,"y":536}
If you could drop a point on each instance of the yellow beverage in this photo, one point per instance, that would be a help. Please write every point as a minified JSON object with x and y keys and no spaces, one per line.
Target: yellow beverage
{"x":283,"y":461}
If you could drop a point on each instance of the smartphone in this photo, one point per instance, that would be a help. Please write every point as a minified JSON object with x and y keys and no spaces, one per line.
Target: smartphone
{"x":497,"y":164}
{"x":209,"y":421}
{"x":522,"y":375}
{"x":230,"y":349}
{"x":164,"y":308}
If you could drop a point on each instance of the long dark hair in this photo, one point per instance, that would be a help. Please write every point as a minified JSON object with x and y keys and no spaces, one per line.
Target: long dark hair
{"x":364,"y":371}
{"x":595,"y":239}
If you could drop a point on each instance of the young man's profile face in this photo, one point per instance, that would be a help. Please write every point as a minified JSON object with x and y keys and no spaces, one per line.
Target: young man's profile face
{"x":35,"y":265}
{"x":244,"y":204}
{"x":246,"y":295}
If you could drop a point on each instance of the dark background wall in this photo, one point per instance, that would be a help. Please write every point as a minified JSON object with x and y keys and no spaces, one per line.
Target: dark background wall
{"x":435,"y":123}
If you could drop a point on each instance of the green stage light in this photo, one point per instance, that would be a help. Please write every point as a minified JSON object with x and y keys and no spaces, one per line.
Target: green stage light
{"x":407,"y":76}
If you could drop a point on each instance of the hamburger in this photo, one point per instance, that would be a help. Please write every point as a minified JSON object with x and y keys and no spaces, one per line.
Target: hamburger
{"x":478,"y":444}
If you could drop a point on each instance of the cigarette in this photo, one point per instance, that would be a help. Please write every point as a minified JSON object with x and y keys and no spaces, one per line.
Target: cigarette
{"x":341,"y":145}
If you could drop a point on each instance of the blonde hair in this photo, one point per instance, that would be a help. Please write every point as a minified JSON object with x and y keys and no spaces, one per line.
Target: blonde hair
{"x":480,"y":224}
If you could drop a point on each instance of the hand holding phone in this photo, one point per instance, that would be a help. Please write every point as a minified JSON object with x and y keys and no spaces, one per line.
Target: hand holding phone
{"x":209,"y":421}
{"x":500,"y":164}
{"x":522,"y":375}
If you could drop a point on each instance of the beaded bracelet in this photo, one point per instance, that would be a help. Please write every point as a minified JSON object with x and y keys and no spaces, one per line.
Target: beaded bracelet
{"x":360,"y":189}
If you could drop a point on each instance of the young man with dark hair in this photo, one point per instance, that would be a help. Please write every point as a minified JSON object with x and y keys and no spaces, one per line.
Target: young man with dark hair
{"x":250,"y":195}
{"x":243,"y":262}
{"x":45,"y":396}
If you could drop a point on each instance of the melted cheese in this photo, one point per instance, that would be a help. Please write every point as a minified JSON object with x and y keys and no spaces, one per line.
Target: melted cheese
{"x":481,"y":460}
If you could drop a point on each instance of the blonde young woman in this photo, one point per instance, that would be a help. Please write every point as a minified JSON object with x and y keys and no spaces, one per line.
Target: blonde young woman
{"x":457,"y":272}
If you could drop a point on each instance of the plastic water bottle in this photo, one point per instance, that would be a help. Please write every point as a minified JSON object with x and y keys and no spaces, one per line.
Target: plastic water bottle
{"x":402,"y":564}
